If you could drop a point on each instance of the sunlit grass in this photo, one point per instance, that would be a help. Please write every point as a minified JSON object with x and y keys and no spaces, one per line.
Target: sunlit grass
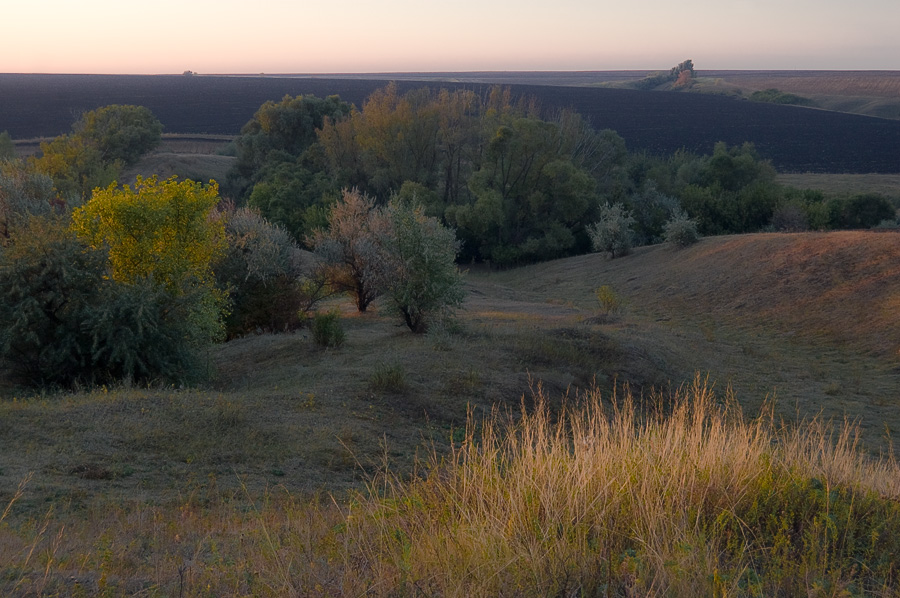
{"x":688,"y":498}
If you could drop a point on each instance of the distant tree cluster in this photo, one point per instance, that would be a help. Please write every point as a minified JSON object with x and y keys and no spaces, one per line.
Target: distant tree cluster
{"x":776,"y":96}
{"x":680,"y":75}
{"x":517,"y":188}
{"x":101,"y":143}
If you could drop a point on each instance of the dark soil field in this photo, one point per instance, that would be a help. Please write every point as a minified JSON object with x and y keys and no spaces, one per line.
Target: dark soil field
{"x":795,"y":139}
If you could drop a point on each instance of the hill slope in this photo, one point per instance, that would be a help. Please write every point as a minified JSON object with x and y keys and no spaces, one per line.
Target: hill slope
{"x":839,"y":286}
{"x":808,"y":318}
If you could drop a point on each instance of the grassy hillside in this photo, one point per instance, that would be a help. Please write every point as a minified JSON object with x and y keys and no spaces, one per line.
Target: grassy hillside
{"x":155,"y":491}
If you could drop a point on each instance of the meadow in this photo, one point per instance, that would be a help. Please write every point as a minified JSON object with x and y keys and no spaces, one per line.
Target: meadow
{"x":290,"y":472}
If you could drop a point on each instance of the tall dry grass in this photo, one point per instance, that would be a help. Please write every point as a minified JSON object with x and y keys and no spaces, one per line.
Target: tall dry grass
{"x":688,"y":500}
{"x":601,"y":498}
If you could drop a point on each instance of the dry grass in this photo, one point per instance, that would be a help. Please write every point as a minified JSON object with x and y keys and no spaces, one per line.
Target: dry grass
{"x":596,"y":499}
{"x":885,"y":84}
{"x":871,"y":93}
{"x":189,"y":165}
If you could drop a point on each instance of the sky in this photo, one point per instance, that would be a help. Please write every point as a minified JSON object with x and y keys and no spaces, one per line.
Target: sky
{"x":366,"y":36}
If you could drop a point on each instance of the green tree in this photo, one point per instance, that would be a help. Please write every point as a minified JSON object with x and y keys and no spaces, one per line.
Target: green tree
{"x":424,"y":285}
{"x":531,"y":200}
{"x":280,"y":132}
{"x":64,"y":320}
{"x":122,"y":133}
{"x":101,"y":143}
{"x":863,"y":210}
{"x":76,"y":167}
{"x":7,"y":147}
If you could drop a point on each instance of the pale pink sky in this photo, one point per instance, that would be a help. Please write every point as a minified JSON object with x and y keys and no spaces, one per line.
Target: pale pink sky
{"x":352,"y":36}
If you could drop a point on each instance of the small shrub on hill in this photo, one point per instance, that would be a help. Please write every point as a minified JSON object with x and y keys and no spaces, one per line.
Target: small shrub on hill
{"x":790,"y":218}
{"x":423,"y":282}
{"x":681,"y":230}
{"x":388,"y":377}
{"x":327,"y":330}
{"x":612,"y":233}
{"x":610,"y":301}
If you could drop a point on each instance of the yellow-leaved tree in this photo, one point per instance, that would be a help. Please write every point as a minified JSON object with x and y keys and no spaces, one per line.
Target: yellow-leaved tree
{"x":165,"y":232}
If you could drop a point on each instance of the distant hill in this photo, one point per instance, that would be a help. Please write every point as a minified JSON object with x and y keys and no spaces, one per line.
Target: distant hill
{"x":795,"y":139}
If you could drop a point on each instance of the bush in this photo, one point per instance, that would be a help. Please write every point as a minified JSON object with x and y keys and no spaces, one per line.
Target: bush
{"x":610,"y":302}
{"x":681,"y":231}
{"x":861,"y":211}
{"x":64,"y":321}
{"x":776,"y":96}
{"x":23,"y":193}
{"x":350,"y":249}
{"x":327,"y":330}
{"x":612,"y":233}
{"x":165,"y":232}
{"x":790,"y":218}
{"x":388,"y":377}
{"x":261,"y":271}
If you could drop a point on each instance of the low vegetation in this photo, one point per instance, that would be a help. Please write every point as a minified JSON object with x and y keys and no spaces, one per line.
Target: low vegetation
{"x":683,"y":498}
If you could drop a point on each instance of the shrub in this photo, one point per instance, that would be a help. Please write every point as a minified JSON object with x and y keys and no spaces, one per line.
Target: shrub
{"x":650,"y":210}
{"x":610,"y":302}
{"x":861,"y":211}
{"x":776,"y":96}
{"x":680,"y":230}
{"x":388,"y":377}
{"x":612,"y":233}
{"x":23,"y":193}
{"x":261,"y":271}
{"x":64,"y":321}
{"x":165,"y":232}
{"x":327,"y":330}
{"x":790,"y":218}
